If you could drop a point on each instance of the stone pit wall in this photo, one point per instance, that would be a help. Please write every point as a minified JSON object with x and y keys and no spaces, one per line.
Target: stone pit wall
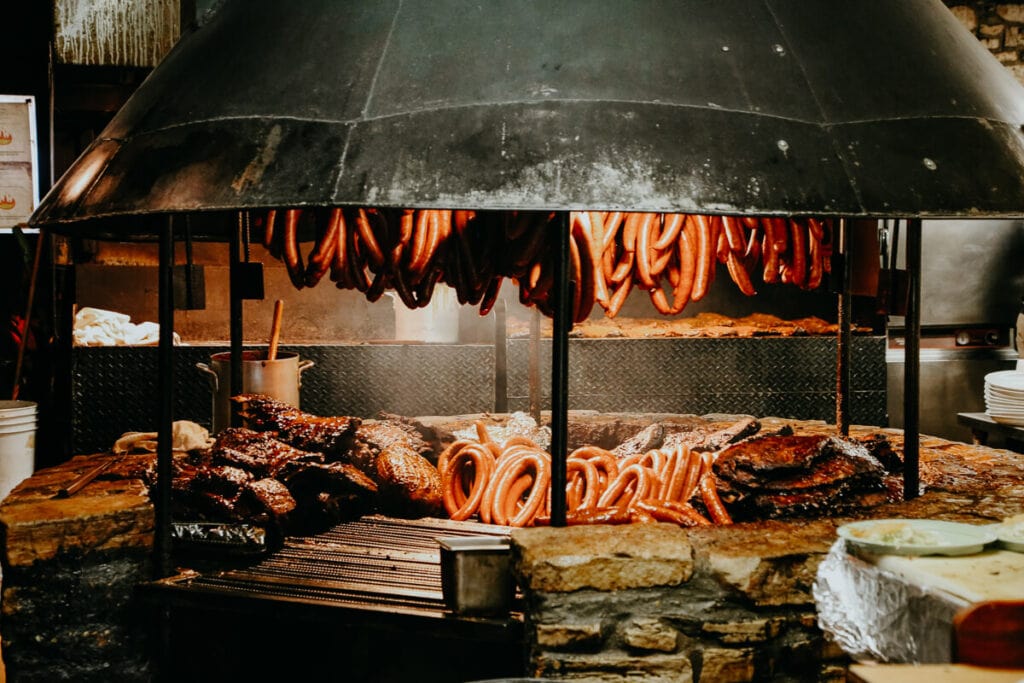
{"x":999,"y":27}
{"x":70,"y":570}
{"x":661,"y":604}
{"x":729,"y":604}
{"x":651,"y":603}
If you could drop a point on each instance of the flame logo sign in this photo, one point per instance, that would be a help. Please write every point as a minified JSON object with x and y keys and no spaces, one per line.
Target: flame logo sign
{"x":7,"y":202}
{"x":5,"y":137}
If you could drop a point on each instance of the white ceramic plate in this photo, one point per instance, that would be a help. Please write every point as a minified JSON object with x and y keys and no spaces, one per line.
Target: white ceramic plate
{"x":917,"y":536}
{"x":1011,"y":534}
{"x":1014,"y":421}
{"x":1012,"y":544}
{"x":1000,"y":409}
{"x":1005,"y":401}
{"x":1003,"y":409}
{"x":1006,"y":379}
{"x":996,"y":392}
{"x":1003,"y":391}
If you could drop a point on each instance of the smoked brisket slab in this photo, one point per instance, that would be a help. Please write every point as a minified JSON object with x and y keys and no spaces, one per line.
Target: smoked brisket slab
{"x":331,"y":436}
{"x":778,"y":476}
{"x":387,"y":452}
{"x":257,"y":452}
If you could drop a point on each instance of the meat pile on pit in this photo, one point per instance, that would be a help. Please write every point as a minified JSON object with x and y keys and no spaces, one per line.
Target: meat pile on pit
{"x":778,"y":476}
{"x":691,"y":478}
{"x":297,"y":473}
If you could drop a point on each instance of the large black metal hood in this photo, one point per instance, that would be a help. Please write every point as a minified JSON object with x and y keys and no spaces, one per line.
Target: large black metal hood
{"x":854,"y":108}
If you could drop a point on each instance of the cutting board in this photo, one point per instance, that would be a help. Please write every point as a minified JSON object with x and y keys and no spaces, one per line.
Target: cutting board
{"x":991,"y":575}
{"x":931,"y":673}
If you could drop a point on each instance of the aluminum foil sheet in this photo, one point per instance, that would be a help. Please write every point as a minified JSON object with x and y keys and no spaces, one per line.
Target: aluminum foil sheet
{"x":518,"y":424}
{"x":874,"y":615}
{"x":234,"y":539}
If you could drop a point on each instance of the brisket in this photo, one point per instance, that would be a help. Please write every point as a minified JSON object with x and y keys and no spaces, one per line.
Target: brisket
{"x":777,"y":476}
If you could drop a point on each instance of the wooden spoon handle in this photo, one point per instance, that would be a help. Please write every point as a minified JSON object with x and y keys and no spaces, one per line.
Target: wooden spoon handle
{"x":275,"y":330}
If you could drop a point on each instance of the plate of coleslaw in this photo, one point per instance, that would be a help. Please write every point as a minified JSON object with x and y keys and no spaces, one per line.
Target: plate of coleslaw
{"x":916,"y":536}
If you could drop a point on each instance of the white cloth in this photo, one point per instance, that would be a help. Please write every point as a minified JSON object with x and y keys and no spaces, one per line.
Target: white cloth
{"x":185,"y":436}
{"x":97,"y":327}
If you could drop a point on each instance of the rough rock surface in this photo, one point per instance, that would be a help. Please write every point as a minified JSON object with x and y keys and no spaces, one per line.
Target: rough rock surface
{"x":603,"y":557}
{"x":745,"y":610}
{"x":644,"y":603}
{"x":70,"y":568}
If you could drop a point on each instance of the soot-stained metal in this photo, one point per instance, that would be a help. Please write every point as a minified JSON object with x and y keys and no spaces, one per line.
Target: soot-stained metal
{"x":734,"y":106}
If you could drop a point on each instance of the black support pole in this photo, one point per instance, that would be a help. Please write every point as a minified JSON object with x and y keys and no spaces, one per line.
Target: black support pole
{"x":562,"y":323}
{"x":844,"y":338}
{"x":165,"y":391}
{"x":235,"y":294}
{"x":912,"y":365}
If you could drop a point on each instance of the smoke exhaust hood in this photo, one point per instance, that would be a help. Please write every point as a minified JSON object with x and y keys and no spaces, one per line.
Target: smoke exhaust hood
{"x":857,"y":108}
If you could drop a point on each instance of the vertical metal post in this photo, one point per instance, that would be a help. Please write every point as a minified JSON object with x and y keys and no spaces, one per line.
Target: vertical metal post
{"x":844,"y":338}
{"x":165,"y":393}
{"x":500,"y":359}
{"x":912,"y":365}
{"x":235,"y":294}
{"x":562,"y":323}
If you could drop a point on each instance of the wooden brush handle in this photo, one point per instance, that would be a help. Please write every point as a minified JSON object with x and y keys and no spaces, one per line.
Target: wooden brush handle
{"x":275,"y":330}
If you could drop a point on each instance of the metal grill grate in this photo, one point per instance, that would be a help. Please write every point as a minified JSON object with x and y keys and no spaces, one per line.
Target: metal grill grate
{"x":375,"y":563}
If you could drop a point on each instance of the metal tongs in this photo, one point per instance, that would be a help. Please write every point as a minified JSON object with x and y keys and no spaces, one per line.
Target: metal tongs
{"x":83,"y":479}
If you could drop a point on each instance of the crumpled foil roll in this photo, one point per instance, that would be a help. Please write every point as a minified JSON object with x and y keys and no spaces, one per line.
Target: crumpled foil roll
{"x":873,"y":614}
{"x":518,"y":424}
{"x":244,"y":538}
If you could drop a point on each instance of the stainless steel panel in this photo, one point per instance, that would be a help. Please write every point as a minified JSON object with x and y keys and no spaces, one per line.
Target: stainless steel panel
{"x":972,"y":272}
{"x":952,"y":381}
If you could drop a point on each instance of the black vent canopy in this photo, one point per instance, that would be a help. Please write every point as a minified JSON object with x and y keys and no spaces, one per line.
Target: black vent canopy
{"x":856,"y":108}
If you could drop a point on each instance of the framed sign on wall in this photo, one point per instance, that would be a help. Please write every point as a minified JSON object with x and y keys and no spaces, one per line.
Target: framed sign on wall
{"x":19,"y":172}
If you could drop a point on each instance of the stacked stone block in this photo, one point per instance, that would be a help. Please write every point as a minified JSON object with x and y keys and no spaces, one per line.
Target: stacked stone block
{"x":999,"y":27}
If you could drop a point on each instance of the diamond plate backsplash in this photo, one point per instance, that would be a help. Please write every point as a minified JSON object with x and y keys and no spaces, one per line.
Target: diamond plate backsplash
{"x":114,"y":389}
{"x":791,"y":377}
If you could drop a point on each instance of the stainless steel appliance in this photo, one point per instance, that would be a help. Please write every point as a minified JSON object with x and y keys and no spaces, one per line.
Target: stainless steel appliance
{"x":971,"y":283}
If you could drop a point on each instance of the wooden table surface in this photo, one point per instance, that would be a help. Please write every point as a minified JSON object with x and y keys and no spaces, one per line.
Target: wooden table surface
{"x":931,"y":673}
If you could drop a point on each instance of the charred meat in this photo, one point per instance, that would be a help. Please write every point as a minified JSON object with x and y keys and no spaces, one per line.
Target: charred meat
{"x":249,"y":476}
{"x":388,"y":453}
{"x":711,"y":441}
{"x":409,"y":484}
{"x":257,"y":452}
{"x":777,"y":476}
{"x":331,"y":436}
{"x":650,"y":437}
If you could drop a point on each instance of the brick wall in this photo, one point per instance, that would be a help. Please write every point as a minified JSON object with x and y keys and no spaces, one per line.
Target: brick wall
{"x":999,"y":27}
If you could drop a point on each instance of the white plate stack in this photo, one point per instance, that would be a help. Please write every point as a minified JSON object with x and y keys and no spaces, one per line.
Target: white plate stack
{"x":1004,"y":396}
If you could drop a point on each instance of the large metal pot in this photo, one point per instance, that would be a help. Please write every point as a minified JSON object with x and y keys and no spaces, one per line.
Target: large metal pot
{"x":280,"y":378}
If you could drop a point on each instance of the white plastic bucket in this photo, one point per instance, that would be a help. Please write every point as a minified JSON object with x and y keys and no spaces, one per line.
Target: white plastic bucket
{"x":19,"y":421}
{"x":12,"y":409}
{"x":17,"y":443}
